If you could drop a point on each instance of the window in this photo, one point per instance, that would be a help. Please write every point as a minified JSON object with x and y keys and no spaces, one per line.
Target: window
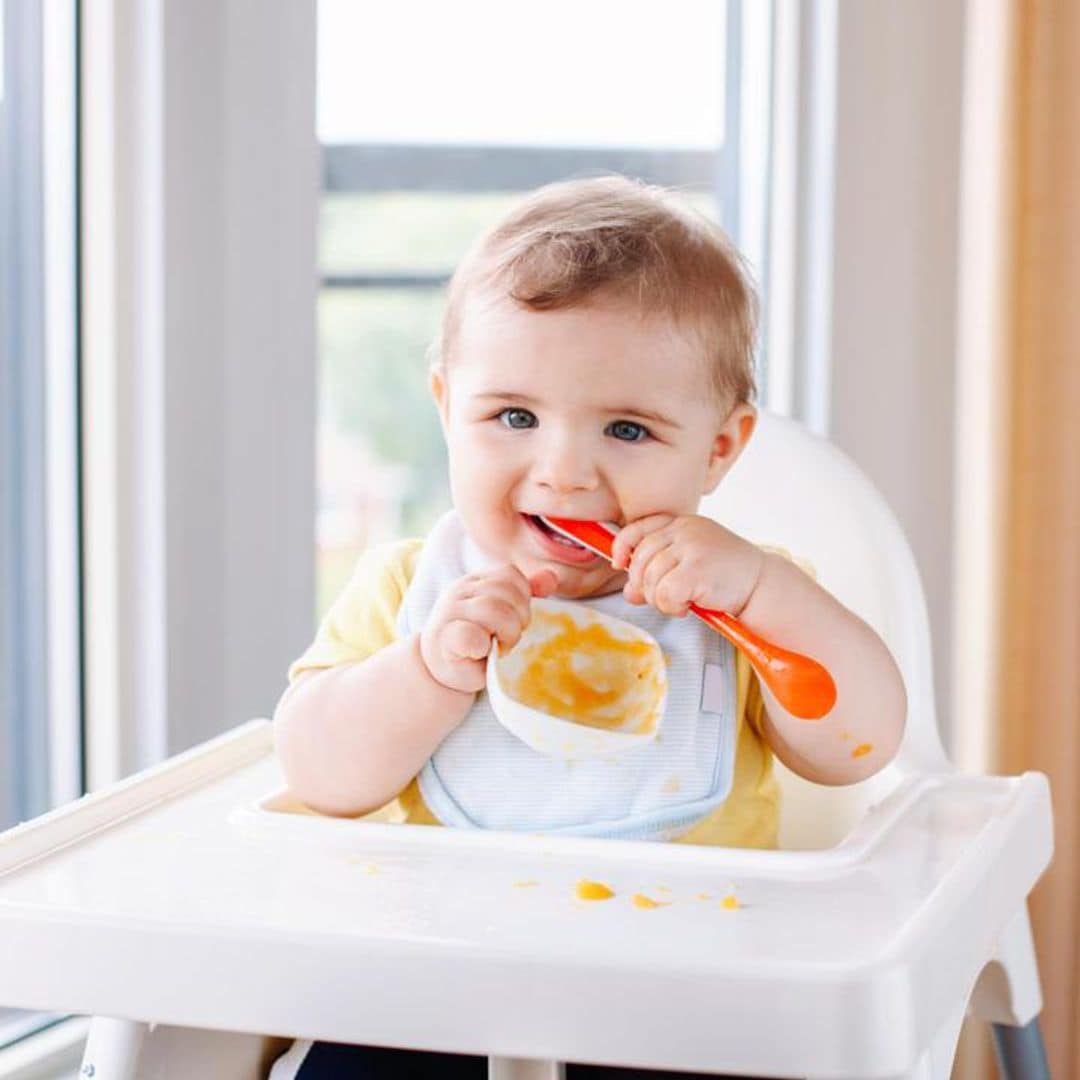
{"x":433,"y":121}
{"x":39,"y":654}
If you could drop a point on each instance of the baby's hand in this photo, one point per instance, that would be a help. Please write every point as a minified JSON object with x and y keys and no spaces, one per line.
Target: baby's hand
{"x":474,"y":613}
{"x":675,"y":561}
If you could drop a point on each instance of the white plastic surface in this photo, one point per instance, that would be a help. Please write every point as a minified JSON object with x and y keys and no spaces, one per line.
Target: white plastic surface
{"x":188,"y":896}
{"x":191,"y":903}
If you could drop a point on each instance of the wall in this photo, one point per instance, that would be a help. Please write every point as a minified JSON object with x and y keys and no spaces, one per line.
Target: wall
{"x":894,"y":287}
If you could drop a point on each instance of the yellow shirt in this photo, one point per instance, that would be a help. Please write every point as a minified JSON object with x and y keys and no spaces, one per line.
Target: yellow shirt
{"x":364,"y":618}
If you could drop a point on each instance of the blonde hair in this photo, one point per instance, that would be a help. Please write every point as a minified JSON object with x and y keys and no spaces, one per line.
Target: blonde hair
{"x":569,"y":242}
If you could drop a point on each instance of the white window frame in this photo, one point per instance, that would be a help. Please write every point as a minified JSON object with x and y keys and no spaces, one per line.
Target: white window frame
{"x":40,"y":706}
{"x":44,"y":531}
{"x":781,"y":112}
{"x":200,"y":188}
{"x":63,"y":587}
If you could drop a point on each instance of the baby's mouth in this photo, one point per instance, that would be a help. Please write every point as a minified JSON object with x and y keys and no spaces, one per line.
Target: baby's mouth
{"x":539,"y":523}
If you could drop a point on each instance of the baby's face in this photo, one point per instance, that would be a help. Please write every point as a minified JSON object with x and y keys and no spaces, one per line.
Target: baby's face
{"x":591,"y":412}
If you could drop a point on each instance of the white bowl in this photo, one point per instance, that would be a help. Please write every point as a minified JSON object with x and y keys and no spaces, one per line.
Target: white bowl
{"x":635,"y":687}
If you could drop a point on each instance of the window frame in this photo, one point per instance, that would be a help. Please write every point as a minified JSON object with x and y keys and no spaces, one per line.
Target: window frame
{"x":40,"y":538}
{"x":369,"y":168}
{"x":41,"y":714}
{"x":199,"y":201}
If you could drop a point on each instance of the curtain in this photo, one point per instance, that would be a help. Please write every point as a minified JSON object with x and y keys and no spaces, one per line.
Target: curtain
{"x":1017,"y":616}
{"x":1038,"y":718}
{"x":1034,"y":662}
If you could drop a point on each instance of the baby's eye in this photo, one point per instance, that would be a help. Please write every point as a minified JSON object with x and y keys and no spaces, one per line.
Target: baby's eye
{"x":517,"y":418}
{"x":627,"y":430}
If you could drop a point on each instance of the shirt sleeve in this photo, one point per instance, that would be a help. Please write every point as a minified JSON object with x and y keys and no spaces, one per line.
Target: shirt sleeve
{"x":363,"y":619}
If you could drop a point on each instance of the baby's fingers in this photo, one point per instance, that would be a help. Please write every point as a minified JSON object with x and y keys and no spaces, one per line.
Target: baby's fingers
{"x":509,"y":591}
{"x":630,"y":536}
{"x":645,"y":554}
{"x":465,"y":640}
{"x":672,"y":591}
{"x":662,"y":583}
{"x":501,"y":620}
{"x":543,"y":582}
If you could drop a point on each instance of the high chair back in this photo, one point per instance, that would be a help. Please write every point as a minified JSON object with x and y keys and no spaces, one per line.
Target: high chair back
{"x":797,"y":491}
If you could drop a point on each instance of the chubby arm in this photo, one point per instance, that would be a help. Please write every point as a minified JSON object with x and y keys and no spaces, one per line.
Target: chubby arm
{"x":862,"y":732}
{"x":351,"y":737}
{"x":676,"y":561}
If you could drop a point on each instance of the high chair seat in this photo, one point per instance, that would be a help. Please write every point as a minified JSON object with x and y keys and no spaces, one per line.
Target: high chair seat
{"x":194,"y":896}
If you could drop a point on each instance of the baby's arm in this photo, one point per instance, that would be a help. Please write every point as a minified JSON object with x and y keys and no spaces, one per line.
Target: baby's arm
{"x":679,"y":560}
{"x":351,"y":737}
{"x":862,"y":732}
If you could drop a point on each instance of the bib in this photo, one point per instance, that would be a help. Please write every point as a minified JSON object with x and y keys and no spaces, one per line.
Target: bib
{"x":482,"y":776}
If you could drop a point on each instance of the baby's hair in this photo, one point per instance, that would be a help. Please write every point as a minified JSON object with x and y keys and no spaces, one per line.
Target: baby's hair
{"x":608,"y":236}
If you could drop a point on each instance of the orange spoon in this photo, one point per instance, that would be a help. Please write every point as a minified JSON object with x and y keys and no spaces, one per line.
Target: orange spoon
{"x":801,"y":685}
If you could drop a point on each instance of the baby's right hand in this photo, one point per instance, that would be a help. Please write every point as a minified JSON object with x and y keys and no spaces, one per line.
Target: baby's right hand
{"x":474,"y":613}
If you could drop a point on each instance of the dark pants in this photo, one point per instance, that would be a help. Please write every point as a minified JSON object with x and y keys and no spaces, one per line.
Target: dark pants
{"x":337,"y":1061}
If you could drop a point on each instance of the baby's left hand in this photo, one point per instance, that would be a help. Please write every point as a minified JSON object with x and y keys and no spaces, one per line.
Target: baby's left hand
{"x":675,"y":561}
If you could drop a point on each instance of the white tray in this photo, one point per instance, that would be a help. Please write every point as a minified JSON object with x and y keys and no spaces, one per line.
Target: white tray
{"x":186,"y":895}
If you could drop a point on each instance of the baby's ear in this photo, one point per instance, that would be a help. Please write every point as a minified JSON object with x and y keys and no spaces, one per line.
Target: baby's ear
{"x":440,"y":390}
{"x":729,"y":443}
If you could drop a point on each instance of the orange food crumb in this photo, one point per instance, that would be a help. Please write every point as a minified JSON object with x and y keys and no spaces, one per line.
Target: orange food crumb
{"x":730,"y":902}
{"x":525,"y":884}
{"x":593,"y":890}
{"x":357,"y":860}
{"x":703,"y":896}
{"x":587,"y":675}
{"x":862,"y":749}
{"x":642,"y":901}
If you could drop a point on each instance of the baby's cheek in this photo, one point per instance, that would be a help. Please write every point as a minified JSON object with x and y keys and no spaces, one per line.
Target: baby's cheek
{"x":476,"y":476}
{"x":657,"y":488}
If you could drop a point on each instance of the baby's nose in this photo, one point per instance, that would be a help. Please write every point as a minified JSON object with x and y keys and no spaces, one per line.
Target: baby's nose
{"x":564,"y":467}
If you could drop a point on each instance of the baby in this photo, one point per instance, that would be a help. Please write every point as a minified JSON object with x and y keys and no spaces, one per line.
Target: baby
{"x":595,"y":363}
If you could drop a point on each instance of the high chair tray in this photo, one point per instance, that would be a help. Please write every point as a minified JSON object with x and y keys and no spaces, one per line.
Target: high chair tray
{"x":189,"y":895}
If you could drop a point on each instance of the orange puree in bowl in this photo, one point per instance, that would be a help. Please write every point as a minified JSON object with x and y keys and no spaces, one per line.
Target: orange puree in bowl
{"x":587,"y":675}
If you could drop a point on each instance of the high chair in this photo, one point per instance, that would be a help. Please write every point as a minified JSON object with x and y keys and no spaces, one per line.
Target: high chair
{"x":192,"y":902}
